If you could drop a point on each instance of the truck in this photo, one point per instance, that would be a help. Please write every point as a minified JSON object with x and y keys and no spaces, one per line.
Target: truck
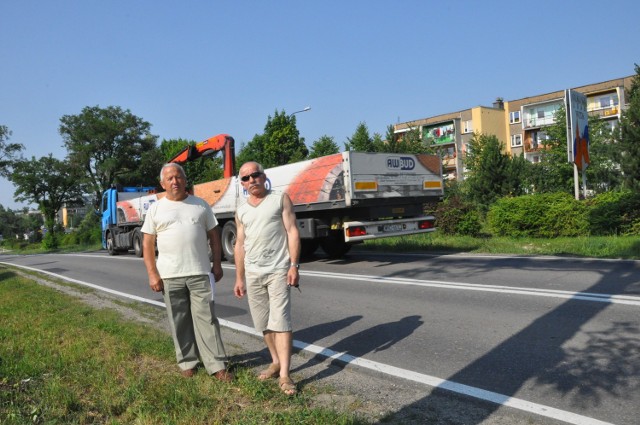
{"x":339,"y":200}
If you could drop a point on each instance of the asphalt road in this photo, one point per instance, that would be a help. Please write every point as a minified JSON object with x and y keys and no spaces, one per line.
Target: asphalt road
{"x":556,"y":337}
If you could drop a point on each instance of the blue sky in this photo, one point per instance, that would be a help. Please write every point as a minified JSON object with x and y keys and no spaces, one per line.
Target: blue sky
{"x":194,"y":69}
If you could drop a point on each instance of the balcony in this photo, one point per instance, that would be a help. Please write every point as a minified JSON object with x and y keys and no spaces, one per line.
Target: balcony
{"x":606,"y":112}
{"x":534,"y":122}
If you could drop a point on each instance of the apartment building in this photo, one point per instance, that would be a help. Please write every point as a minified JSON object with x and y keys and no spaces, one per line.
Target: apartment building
{"x":519,"y":124}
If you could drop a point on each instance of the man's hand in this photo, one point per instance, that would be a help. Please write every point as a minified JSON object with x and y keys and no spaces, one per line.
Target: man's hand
{"x":156,"y":283}
{"x":239,"y":288}
{"x":217,"y":271}
{"x":293,"y":277}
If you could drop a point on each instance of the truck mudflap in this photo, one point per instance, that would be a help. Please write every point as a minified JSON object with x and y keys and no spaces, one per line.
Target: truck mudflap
{"x":355,"y":231}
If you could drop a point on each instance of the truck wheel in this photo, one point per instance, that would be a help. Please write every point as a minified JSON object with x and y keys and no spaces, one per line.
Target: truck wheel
{"x":308,"y":247}
{"x":229,"y":232}
{"x":137,"y":243}
{"x":111,"y":244}
{"x":334,"y":245}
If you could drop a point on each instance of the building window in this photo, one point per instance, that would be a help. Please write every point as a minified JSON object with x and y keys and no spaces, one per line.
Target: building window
{"x":541,"y":115}
{"x":516,"y":140}
{"x":514,"y":117}
{"x":605,"y":102}
{"x":467,"y":126}
{"x":538,"y":138}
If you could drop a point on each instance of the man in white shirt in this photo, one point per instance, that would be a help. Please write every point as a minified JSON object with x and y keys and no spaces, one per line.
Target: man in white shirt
{"x":184,"y":228}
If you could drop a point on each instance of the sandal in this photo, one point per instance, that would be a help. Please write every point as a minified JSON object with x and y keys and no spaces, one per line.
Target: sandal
{"x":288,"y":386}
{"x":271,"y":372}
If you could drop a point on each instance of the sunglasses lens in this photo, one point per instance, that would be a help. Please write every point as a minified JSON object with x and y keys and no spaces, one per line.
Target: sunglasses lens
{"x":252,"y":175}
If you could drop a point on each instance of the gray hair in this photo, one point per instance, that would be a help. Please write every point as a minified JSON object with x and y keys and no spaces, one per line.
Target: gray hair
{"x":258,"y":165}
{"x":173,"y":164}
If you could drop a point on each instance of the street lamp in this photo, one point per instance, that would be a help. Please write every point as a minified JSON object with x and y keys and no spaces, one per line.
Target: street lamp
{"x":307,"y":108}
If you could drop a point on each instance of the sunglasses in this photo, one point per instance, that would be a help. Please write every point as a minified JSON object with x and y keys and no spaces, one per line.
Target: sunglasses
{"x":252,"y":175}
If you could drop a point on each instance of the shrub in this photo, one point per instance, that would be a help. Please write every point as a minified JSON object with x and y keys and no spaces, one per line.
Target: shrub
{"x":50,"y":241}
{"x":88,"y":232}
{"x":456,"y":217}
{"x":69,"y":239}
{"x":542,"y":215}
{"x":616,"y":212}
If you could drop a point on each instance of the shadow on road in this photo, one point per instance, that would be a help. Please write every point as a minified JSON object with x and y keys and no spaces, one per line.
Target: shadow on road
{"x":606,"y":361}
{"x":376,"y":338}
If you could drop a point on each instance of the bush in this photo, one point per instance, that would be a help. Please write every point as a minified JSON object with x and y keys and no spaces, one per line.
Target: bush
{"x":543,"y":215}
{"x":615,"y":213}
{"x":69,"y":239}
{"x":456,"y":217}
{"x":88,"y":232}
{"x":50,"y":241}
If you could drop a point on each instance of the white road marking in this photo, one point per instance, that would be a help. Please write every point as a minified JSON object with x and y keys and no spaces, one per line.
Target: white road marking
{"x":552,"y":293}
{"x":585,"y":296}
{"x":432,"y":381}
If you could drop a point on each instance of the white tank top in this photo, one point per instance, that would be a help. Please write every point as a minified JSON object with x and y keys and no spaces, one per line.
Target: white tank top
{"x":265,"y":243}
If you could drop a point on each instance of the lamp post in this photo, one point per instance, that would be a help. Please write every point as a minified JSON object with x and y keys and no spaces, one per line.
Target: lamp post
{"x":307,"y":108}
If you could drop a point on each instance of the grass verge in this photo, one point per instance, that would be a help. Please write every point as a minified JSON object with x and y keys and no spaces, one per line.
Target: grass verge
{"x":63,"y":362}
{"x":626,"y":247}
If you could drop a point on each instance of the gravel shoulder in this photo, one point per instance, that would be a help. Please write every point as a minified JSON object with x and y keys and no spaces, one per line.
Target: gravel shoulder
{"x":377,"y":397}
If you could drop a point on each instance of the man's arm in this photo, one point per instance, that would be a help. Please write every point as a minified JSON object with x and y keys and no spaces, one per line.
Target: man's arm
{"x":215,"y":245}
{"x":238,"y":253}
{"x":293,"y":239}
{"x":149,"y":256}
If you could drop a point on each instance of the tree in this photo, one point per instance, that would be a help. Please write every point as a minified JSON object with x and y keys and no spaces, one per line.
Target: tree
{"x":603,"y":172}
{"x":252,"y":151}
{"x":361,"y":141}
{"x":8,"y":151}
{"x":48,"y":182}
{"x":408,"y":142}
{"x":280,"y":143}
{"x":629,"y":136}
{"x":15,"y":224}
{"x":554,"y":173}
{"x":109,"y":146}
{"x":199,"y":171}
{"x":323,"y":146}
{"x":518,"y":181}
{"x":488,"y":170}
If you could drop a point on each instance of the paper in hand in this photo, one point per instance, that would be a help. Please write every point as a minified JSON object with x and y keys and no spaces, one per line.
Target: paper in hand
{"x":212,"y":282}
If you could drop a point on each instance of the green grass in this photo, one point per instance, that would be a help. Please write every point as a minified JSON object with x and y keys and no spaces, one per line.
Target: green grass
{"x":64,"y":362}
{"x":627,"y":247}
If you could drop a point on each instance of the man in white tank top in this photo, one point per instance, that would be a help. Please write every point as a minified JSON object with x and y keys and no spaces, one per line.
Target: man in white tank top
{"x":266,"y":256}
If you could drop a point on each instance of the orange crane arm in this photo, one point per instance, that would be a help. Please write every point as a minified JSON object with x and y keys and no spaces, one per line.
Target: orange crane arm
{"x":209,"y":147}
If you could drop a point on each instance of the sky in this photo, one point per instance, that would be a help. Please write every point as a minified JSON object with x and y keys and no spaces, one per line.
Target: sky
{"x":194,"y":69}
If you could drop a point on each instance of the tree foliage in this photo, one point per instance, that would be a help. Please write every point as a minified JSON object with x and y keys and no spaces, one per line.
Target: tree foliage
{"x":603,"y":172}
{"x":109,"y":145}
{"x":409,"y":142}
{"x":554,"y":173}
{"x":361,"y":141}
{"x":280,"y":143}
{"x":491,"y":172}
{"x":15,"y":224}
{"x":8,"y":151}
{"x":48,"y":182}
{"x":323,"y":146}
{"x":629,"y":136}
